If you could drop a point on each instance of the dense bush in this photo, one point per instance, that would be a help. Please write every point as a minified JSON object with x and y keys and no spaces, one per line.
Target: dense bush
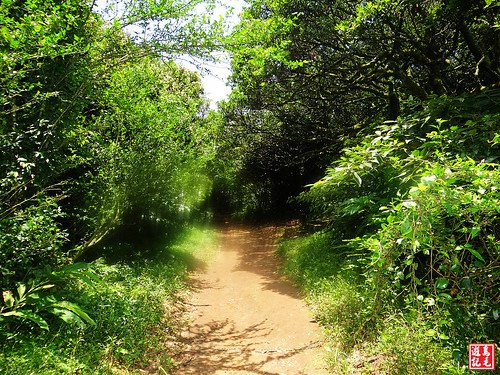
{"x":417,"y":199}
{"x":43,"y":69}
{"x":104,"y":144}
{"x":151,"y":147}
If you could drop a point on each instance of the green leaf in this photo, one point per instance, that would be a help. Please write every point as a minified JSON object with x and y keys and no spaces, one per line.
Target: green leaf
{"x":475,"y":231}
{"x":73,"y":307}
{"x":475,"y":253}
{"x":35,"y":318}
{"x":81,"y":271}
{"x":430,"y":333}
{"x":46,"y":286}
{"x":88,"y":277}
{"x":496,"y":314}
{"x":358,"y":179}
{"x":8,"y":298}
{"x":489,"y":2}
{"x":66,"y":315}
{"x":443,"y":336}
{"x":441,"y":283}
{"x":406,"y":226}
{"x":21,"y":290}
{"x":70,"y":268}
{"x":445,"y":296}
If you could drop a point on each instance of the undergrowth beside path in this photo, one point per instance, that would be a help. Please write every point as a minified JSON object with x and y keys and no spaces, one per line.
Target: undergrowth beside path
{"x":132,"y":310}
{"x":363,"y":337}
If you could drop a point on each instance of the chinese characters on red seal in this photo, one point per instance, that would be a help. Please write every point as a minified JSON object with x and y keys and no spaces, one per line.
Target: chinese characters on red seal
{"x":482,"y":357}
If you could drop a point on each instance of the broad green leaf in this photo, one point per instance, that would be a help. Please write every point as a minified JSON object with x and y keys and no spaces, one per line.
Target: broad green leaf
{"x":81,"y":271}
{"x":30,"y":316}
{"x":76,"y":309}
{"x":21,"y":290}
{"x":406,"y":226}
{"x":66,"y":315}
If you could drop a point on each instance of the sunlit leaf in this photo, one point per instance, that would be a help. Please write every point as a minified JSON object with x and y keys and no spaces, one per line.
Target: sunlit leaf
{"x":30,"y":316}
{"x":441,"y":283}
{"x":8,"y":298}
{"x":75,"y":309}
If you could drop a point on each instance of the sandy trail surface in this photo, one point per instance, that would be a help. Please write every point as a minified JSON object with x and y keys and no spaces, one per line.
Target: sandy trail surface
{"x":245,"y":318}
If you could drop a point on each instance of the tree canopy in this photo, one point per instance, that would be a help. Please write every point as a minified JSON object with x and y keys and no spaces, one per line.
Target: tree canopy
{"x":325,"y":70}
{"x":96,"y":124}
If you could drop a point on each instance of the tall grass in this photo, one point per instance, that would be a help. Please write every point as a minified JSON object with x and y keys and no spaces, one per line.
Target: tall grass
{"x":134,"y":315}
{"x":364,"y":336}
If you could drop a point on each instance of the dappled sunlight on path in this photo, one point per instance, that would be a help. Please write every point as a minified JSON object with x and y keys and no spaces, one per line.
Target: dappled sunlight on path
{"x":246,"y":319}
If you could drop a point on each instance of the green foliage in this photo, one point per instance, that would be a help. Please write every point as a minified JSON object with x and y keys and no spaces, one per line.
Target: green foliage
{"x":308,"y":76}
{"x":34,"y":227}
{"x":101,"y":138}
{"x":96,"y":129}
{"x":416,"y":202}
{"x":440,"y":245}
{"x":122,"y":313}
{"x":171,"y":27}
{"x":133,"y":308}
{"x":330,"y":275}
{"x":150,"y":128}
{"x":31,"y":304}
{"x":235,"y":195}
{"x":43,"y":71}
{"x":407,"y":349}
{"x":363,"y":332}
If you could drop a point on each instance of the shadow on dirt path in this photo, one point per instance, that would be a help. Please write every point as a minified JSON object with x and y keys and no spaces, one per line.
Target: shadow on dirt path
{"x":245,"y":317}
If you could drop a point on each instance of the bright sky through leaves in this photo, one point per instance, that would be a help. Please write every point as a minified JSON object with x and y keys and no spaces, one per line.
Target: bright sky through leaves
{"x":215,"y":80}
{"x":214,"y":74}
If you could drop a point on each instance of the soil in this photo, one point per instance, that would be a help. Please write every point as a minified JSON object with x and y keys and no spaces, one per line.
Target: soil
{"x":245,"y":317}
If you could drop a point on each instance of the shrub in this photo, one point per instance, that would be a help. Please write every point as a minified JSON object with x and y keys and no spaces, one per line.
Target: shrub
{"x":417,"y":202}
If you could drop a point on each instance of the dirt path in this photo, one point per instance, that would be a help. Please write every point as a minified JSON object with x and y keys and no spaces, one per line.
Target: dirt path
{"x":246,"y":319}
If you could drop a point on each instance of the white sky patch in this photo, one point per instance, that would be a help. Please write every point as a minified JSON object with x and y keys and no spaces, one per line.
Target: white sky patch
{"x":214,"y":76}
{"x":216,"y":83}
